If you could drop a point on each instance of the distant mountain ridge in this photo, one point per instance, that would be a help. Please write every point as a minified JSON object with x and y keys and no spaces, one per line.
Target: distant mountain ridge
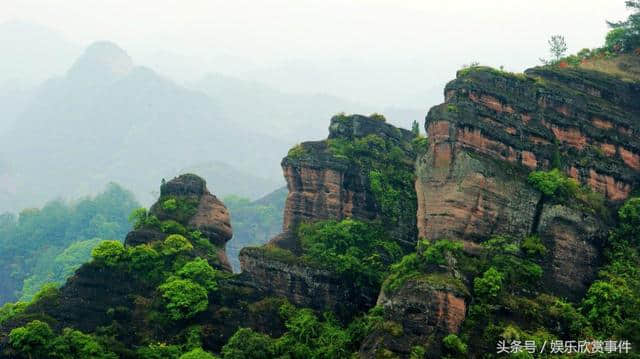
{"x":109,"y":120}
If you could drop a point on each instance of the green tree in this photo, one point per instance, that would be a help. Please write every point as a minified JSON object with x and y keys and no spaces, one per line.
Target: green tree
{"x":9,"y":310}
{"x":557,"y":48}
{"x":183,"y":298}
{"x":176,"y":244}
{"x":625,"y":35}
{"x":159,"y":351}
{"x":75,"y":344}
{"x":109,"y":253}
{"x":357,"y":250}
{"x":454,"y":345}
{"x":197,"y":353}
{"x":415,"y":128}
{"x":32,"y":340}
{"x":489,"y":285}
{"x":199,"y":271}
{"x":247,"y":344}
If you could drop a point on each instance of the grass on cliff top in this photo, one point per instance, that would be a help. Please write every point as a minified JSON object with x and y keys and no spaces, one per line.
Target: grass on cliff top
{"x":626,"y":66}
{"x":477,"y":68}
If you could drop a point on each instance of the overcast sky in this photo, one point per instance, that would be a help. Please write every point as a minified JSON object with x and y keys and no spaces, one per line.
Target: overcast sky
{"x":401,"y":49}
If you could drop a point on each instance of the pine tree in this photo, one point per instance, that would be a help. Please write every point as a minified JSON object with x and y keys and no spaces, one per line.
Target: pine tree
{"x":415,"y":128}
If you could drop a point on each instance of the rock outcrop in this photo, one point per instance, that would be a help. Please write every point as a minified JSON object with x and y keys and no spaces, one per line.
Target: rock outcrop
{"x":326,"y":182}
{"x":495,"y":127}
{"x":197,"y":209}
{"x":426,"y":309}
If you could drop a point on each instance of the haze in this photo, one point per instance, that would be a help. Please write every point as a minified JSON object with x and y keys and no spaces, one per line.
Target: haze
{"x":384,"y":52}
{"x":224,"y":88}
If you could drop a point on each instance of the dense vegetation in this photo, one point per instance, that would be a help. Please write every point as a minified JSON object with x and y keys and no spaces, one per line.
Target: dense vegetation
{"x":46,"y":245}
{"x":307,"y":336}
{"x":358,"y":251}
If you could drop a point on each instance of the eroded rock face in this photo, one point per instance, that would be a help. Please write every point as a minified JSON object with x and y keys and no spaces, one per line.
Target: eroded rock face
{"x":464,"y":195}
{"x":493,"y":129}
{"x":425,"y":311}
{"x":321,"y":187}
{"x":574,"y":240}
{"x":326,"y":186}
{"x":305,"y":286}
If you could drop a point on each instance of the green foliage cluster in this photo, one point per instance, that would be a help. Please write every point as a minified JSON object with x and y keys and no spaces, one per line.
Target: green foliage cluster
{"x":420,"y":144}
{"x":307,"y":336}
{"x":197,"y":353}
{"x":454,"y":346}
{"x":10,"y":309}
{"x":377,"y":116}
{"x":554,"y":184}
{"x":429,"y":256}
{"x":48,"y":244}
{"x":176,"y":244}
{"x":358,"y":251}
{"x":183,"y":298}
{"x":625,"y":35}
{"x":141,"y":218}
{"x":183,"y":281}
{"x":507,"y":304}
{"x":37,"y":340}
{"x":297,"y":152}
{"x":109,"y":253}
{"x":178,"y":208}
{"x":389,"y":168}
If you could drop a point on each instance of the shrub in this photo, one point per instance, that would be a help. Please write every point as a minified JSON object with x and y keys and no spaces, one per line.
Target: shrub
{"x":437,"y":252}
{"x":183,"y":298}
{"x":159,"y":351}
{"x":420,"y":144}
{"x":176,"y":244}
{"x":454,"y":345}
{"x":532,"y":245}
{"x":109,"y":253}
{"x":247,"y":344}
{"x":377,"y":116}
{"x":141,"y":218}
{"x":629,"y":213}
{"x":489,"y":285}
{"x":145,"y":261}
{"x":554,"y":184}
{"x":172,"y":227}
{"x":199,"y":271}
{"x":296,"y":151}
{"x":417,"y":352}
{"x":197,"y":353}
{"x":170,"y":205}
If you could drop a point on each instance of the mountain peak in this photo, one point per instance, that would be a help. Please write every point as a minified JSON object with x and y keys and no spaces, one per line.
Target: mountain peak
{"x":102,"y":60}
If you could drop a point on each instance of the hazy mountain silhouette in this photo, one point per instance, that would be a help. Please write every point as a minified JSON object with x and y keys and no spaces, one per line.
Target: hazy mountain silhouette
{"x":108,"y":120}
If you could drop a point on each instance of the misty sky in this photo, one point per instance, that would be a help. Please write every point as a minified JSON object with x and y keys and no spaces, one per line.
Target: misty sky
{"x":389,"y":52}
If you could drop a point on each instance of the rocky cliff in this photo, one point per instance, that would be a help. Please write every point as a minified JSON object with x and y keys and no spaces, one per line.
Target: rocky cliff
{"x":332,"y":180}
{"x":459,"y":239}
{"x":495,"y":127}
